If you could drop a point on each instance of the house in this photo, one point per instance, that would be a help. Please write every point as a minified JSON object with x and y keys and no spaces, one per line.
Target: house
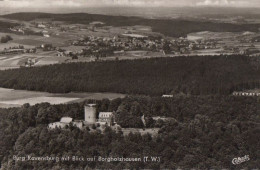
{"x":156,"y":118}
{"x":65,"y":121}
{"x":30,"y":62}
{"x":168,"y":96}
{"x":56,"y":125}
{"x":60,"y":54}
{"x":78,"y":123}
{"x":46,"y":35}
{"x":41,"y":26}
{"x":246,"y":94}
{"x":106,"y":118}
{"x":68,"y":53}
{"x":61,"y":124}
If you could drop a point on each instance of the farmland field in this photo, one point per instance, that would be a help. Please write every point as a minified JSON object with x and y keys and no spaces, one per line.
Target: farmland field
{"x":32,"y":42}
{"x":16,"y":98}
{"x":17,"y":60}
{"x":13,"y":44}
{"x":35,"y":100}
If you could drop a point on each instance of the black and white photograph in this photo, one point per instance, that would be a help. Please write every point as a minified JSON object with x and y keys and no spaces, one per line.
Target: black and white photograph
{"x":130,"y":84}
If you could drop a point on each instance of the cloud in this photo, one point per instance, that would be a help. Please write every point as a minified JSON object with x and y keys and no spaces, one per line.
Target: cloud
{"x":138,"y":3}
{"x":90,"y":3}
{"x":229,"y":3}
{"x":214,"y":3}
{"x":41,"y":3}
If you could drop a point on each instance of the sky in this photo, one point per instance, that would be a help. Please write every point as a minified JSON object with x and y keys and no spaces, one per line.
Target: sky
{"x":134,"y":3}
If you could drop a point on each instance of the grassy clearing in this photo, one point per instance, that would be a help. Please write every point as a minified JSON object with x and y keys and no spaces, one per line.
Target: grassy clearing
{"x":43,"y":99}
{"x":31,"y":42}
{"x":14,"y":98}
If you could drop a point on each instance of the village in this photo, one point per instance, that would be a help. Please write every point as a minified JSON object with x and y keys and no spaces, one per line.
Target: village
{"x":44,"y":42}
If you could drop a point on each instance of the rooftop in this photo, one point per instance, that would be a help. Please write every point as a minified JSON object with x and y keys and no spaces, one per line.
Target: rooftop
{"x":66,"y":120}
{"x":105,"y":114}
{"x":91,"y":105}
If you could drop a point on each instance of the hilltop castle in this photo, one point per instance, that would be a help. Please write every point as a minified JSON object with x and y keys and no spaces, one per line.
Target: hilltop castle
{"x":90,"y":114}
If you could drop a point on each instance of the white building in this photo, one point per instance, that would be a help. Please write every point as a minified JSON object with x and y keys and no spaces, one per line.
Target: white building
{"x":106,"y":118}
{"x":166,"y":95}
{"x":78,"y":123}
{"x":65,"y":121}
{"x":46,"y":35}
{"x":41,"y":26}
{"x":61,"y":124}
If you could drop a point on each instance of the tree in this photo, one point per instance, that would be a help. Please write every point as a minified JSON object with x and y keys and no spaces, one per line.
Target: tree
{"x":150,"y":123}
{"x":74,"y":57}
{"x":93,"y":126}
{"x":6,"y":38}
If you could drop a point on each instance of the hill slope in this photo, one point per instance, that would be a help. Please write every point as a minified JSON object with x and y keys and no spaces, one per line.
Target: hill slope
{"x":191,"y":75}
{"x":174,"y":28}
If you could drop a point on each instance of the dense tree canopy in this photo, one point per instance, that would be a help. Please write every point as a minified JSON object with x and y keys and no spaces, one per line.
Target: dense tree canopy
{"x":197,"y":75}
{"x":204,"y":132}
{"x":5,"y":39}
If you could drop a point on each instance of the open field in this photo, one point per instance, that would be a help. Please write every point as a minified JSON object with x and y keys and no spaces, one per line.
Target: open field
{"x":16,"y":98}
{"x":222,"y":35}
{"x":209,"y":51}
{"x":211,"y":35}
{"x":13,"y":44}
{"x":10,"y":94}
{"x":73,"y":48}
{"x":35,"y":40}
{"x":8,"y":105}
{"x":32,"y":42}
{"x":39,"y":40}
{"x":35,"y":100}
{"x":96,"y":96}
{"x":15,"y":61}
{"x":12,"y":61}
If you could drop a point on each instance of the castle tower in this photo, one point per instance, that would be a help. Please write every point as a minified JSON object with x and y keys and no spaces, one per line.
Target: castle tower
{"x":90,"y":113}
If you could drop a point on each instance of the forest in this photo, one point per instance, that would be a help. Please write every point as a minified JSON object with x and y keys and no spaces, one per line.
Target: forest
{"x":197,"y":75}
{"x":204,"y":132}
{"x":173,"y":28}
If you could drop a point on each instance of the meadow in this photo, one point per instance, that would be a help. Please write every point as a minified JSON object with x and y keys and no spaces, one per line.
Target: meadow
{"x":16,"y":98}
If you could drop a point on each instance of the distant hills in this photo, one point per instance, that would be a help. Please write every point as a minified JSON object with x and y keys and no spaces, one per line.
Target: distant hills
{"x":168,"y":27}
